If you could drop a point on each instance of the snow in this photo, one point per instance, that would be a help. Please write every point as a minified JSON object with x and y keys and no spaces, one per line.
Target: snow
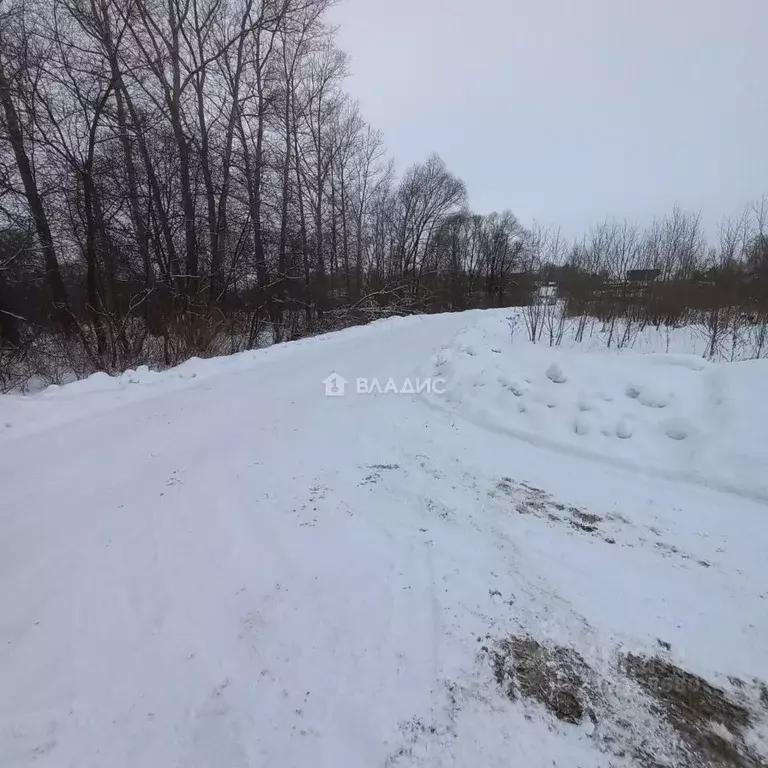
{"x":674,"y":415}
{"x":218,"y":565}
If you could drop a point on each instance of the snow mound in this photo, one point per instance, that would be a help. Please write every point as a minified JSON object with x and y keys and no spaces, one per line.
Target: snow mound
{"x":674,"y":414}
{"x":555,"y":374}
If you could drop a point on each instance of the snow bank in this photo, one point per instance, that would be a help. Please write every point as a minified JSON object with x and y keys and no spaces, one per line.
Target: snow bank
{"x":671,"y":414}
{"x":22,"y":414}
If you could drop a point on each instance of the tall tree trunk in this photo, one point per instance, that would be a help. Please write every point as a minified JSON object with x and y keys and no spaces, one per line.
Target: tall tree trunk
{"x":334,"y":259}
{"x":9,"y":326}
{"x":182,"y":144}
{"x":139,"y":224}
{"x":173,"y":267}
{"x":283,"y":244}
{"x":95,"y":304}
{"x":62,"y":313}
{"x":204,"y":159}
{"x":210,"y":194}
{"x":319,"y":259}
{"x":261,"y":267}
{"x":302,"y":222}
{"x":344,"y":233}
{"x":235,"y":120}
{"x":140,"y":227}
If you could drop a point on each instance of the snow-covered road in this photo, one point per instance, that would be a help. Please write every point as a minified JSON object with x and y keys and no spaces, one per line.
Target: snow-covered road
{"x":221,"y":566}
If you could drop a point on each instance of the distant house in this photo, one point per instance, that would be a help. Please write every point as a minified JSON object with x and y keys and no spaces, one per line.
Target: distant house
{"x":643,"y":275}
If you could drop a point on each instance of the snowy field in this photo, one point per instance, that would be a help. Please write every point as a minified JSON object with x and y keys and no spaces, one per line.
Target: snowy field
{"x":668,"y":414}
{"x":560,"y":561}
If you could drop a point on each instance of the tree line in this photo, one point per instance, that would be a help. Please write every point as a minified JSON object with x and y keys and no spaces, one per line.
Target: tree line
{"x":172,"y":171}
{"x":184,"y":177}
{"x":665,"y":275}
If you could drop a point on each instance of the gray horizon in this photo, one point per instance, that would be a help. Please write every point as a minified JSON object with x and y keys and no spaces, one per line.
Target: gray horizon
{"x":568,"y":113}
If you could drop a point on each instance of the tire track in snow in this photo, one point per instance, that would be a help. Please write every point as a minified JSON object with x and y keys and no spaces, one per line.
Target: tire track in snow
{"x":546,"y":443}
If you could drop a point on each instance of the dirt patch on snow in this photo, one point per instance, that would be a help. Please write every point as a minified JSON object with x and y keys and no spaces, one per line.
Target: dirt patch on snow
{"x":554,"y":676}
{"x":643,"y":709}
{"x":710,"y":724}
{"x":530,"y":500}
{"x":375,"y":476}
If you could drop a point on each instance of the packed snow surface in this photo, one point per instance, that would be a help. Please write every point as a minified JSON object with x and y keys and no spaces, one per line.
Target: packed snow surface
{"x":219,"y":565}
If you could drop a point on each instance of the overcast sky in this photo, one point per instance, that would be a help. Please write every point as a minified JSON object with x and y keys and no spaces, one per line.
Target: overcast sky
{"x":571,"y":110}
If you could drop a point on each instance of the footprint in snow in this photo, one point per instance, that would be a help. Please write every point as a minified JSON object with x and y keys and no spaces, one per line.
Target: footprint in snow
{"x":514,"y":387}
{"x":581,"y":425}
{"x":677,"y":429}
{"x":647,"y":397}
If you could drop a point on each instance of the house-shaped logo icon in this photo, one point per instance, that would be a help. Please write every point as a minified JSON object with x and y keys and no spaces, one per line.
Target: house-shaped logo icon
{"x":334,"y":385}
